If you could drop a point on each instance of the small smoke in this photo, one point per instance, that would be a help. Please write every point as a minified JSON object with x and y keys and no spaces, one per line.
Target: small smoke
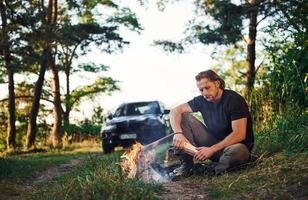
{"x":152,"y":161}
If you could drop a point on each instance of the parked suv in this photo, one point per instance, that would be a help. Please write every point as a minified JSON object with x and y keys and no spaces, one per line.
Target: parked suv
{"x":144,"y":122}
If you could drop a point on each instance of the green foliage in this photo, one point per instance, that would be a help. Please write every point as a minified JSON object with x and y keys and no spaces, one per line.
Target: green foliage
{"x":98,"y":179}
{"x":3,"y":73}
{"x":169,"y":46}
{"x":228,"y":23}
{"x":91,"y":67}
{"x":229,"y":62}
{"x":225,"y":27}
{"x":102,"y":84}
{"x":127,"y":18}
{"x":3,"y":125}
{"x":98,"y":117}
{"x":86,"y":129}
{"x":286,"y":132}
{"x":90,"y":3}
{"x":287,"y":74}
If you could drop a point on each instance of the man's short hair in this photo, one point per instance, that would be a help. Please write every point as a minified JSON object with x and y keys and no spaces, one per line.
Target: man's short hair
{"x":212,"y":76}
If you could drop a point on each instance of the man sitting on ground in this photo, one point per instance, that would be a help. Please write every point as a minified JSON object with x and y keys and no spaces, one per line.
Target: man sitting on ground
{"x":227,"y":136}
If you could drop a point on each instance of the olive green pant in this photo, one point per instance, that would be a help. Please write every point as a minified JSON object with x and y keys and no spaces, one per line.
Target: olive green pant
{"x":197,"y":135}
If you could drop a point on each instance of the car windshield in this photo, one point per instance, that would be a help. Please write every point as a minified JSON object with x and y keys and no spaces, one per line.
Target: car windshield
{"x":138,"y":109}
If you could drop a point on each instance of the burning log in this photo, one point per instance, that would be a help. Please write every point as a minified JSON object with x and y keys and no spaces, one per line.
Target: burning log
{"x":141,"y":161}
{"x":138,"y":163}
{"x":129,"y":161}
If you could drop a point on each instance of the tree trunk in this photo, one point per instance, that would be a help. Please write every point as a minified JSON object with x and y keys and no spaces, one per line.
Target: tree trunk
{"x":11,"y":128}
{"x":67,"y":98}
{"x":68,"y":64}
{"x":251,"y":47}
{"x":32,"y":129}
{"x":32,"y":125}
{"x":56,"y":134}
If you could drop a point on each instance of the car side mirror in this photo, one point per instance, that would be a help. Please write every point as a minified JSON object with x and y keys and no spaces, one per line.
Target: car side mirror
{"x":109,"y":116}
{"x":166,"y":111}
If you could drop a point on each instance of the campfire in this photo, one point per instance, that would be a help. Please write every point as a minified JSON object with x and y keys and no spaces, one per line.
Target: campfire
{"x":142,"y":162}
{"x":129,"y":161}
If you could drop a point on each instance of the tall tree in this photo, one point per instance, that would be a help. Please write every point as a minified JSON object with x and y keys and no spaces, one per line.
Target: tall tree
{"x":227,"y":27}
{"x":56,"y":133}
{"x":45,"y":17}
{"x":63,"y":39}
{"x":79,"y":37}
{"x":5,"y":51}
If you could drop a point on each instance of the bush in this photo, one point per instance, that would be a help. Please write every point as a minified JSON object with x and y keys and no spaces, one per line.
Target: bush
{"x":286,"y":132}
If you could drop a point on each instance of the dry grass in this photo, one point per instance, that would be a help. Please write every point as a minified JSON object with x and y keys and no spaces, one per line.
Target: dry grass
{"x":280,"y":176}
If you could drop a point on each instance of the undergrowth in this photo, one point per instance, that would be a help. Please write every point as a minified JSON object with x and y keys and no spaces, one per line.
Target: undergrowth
{"x":284,"y":133}
{"x":96,"y":179}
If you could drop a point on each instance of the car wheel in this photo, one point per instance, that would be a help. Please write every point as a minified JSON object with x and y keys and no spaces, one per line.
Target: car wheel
{"x":107,"y":148}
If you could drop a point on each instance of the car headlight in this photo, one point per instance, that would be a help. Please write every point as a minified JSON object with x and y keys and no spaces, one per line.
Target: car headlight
{"x":110,"y":127}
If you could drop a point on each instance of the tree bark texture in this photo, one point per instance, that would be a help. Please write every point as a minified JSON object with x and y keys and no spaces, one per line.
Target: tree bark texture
{"x":47,"y":60}
{"x":56,"y":134}
{"x":11,"y":127}
{"x":251,"y":47}
{"x":67,"y":97}
{"x":32,"y":125}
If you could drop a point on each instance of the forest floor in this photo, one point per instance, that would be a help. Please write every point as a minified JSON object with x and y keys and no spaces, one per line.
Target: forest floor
{"x":277,"y":176}
{"x":21,"y":172}
{"x":82,"y":174}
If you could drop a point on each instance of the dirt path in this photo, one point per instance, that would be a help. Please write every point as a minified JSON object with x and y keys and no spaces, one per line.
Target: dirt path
{"x":183,"y":190}
{"x":48,"y":174}
{"x":45,"y":176}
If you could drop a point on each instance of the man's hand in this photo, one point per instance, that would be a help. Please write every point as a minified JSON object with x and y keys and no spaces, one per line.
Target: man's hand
{"x":179,"y":140}
{"x":204,"y":153}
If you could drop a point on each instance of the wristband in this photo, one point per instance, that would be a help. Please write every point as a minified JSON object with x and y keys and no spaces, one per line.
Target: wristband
{"x":178,"y":133}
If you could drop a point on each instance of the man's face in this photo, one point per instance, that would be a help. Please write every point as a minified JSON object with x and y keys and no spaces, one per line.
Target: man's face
{"x":209,"y":89}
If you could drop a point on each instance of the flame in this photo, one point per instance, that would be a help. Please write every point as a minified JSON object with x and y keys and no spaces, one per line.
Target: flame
{"x":145,"y":162}
{"x":129,"y":161}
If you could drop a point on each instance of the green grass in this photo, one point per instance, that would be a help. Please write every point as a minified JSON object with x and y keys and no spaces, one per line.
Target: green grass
{"x":276,"y":177}
{"x":280,"y":171}
{"x":19,"y":167}
{"x":16,"y":167}
{"x":96,"y":179}
{"x":284,"y":133}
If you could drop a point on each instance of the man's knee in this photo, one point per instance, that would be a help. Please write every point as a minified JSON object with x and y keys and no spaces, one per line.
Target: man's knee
{"x":237,"y":153}
{"x":188,"y":118}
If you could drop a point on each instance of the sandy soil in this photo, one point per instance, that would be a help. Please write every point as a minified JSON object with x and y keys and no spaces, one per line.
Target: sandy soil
{"x":183,"y":189}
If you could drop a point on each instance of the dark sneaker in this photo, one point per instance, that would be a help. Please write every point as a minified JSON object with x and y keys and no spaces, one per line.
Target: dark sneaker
{"x":184,"y":170}
{"x":204,"y":169}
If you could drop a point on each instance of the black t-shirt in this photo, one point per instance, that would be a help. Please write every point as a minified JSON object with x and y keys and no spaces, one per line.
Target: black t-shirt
{"x":218,"y":115}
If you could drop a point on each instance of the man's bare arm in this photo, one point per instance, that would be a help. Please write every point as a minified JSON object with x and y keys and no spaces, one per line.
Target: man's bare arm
{"x":176,"y":116}
{"x":175,"y":121}
{"x":238,"y":135}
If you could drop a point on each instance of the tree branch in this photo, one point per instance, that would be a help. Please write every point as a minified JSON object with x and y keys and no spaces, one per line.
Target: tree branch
{"x":290,"y":20}
{"x":265,"y":16}
{"x":258,"y":67}
{"x":25,"y":97}
{"x":29,"y":97}
{"x":243,"y":37}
